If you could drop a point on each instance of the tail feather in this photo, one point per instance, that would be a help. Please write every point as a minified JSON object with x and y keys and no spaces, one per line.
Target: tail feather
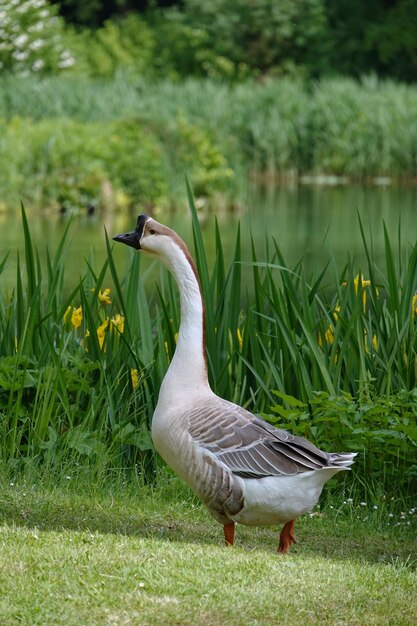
{"x":343,"y":459}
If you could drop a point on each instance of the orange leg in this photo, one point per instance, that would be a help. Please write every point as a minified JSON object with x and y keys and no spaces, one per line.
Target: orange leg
{"x":286,"y":537}
{"x":229,"y":533}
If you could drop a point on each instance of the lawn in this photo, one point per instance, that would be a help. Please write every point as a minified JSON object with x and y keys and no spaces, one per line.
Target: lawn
{"x":82,"y":554}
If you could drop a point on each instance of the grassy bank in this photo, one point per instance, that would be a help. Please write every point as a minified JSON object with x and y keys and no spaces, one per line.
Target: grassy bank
{"x":80,"y":554}
{"x":114,"y":143}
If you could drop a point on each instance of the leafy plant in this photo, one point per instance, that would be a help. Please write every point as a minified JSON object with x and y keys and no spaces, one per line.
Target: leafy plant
{"x":120,"y":45}
{"x":81,"y":370}
{"x":238,"y":38}
{"x":383,"y":430}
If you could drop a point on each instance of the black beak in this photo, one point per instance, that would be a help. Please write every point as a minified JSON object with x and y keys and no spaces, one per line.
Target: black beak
{"x":133,"y":238}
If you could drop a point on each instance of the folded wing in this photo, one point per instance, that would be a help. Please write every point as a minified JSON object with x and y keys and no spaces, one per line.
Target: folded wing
{"x":252,"y":448}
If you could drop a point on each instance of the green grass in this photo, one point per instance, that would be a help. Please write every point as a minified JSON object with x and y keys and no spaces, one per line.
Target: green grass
{"x":124,"y":554}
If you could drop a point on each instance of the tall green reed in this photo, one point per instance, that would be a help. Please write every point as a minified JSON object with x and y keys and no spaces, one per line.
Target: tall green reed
{"x":80,"y":372}
{"x":69,"y":368}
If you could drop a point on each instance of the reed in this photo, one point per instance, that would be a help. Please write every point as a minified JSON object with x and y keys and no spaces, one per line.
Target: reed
{"x":329,"y":353}
{"x":218,"y":133}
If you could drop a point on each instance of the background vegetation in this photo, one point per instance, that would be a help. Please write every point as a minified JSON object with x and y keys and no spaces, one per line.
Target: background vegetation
{"x":226,"y":38}
{"x":69,"y":141}
{"x":106,"y":105}
{"x":333,"y":359}
{"x":225,"y":90}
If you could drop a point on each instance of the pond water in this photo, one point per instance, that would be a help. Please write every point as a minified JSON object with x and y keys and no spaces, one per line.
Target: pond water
{"x":305,"y":220}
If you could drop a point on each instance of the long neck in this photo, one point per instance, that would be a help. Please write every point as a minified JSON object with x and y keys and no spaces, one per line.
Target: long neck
{"x":188,"y":369}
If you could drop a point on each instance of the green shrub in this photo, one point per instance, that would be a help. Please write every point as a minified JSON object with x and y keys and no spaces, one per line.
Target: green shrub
{"x":126,"y":45}
{"x":185,"y":50}
{"x":383,"y":430}
{"x":234,"y":38}
{"x":190,"y":149}
{"x":73,"y":164}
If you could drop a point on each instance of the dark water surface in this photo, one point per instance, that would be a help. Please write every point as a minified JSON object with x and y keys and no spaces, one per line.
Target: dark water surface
{"x":305,"y":220}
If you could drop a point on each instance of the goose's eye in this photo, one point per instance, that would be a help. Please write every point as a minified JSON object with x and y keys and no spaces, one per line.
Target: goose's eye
{"x":151,"y":232}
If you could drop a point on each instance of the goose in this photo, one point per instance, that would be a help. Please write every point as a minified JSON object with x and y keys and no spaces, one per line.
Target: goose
{"x":242,"y":468}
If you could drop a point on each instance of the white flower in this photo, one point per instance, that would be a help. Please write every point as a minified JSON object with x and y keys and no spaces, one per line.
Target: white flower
{"x":23,"y":8}
{"x":36,"y":28}
{"x":21,"y":40}
{"x":36,"y":44}
{"x":66,"y":63}
{"x":38,"y":65}
{"x":66,"y":54}
{"x":363,"y":503}
{"x":20,"y":56}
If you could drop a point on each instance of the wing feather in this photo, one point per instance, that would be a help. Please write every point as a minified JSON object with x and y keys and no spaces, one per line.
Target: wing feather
{"x":249,"y":446}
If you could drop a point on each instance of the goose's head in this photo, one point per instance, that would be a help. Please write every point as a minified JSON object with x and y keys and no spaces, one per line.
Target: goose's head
{"x":151,"y":237}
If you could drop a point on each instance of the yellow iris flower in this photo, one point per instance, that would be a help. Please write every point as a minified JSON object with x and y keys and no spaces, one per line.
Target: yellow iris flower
{"x":359,"y":279}
{"x":118,"y":321}
{"x":76,"y":316}
{"x":104,"y":296}
{"x":101,"y":332}
{"x":363,"y":282}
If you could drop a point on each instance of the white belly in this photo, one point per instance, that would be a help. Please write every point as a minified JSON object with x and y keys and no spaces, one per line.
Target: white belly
{"x":278,"y":499}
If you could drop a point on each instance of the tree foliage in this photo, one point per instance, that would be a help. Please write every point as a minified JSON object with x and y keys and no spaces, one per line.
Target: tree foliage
{"x":221,"y":38}
{"x":257,"y":36}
